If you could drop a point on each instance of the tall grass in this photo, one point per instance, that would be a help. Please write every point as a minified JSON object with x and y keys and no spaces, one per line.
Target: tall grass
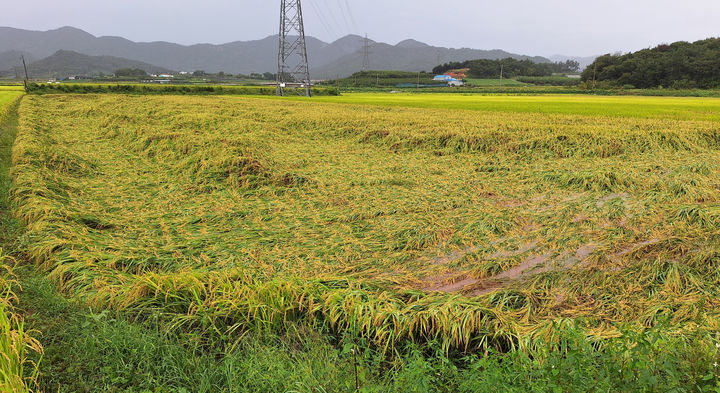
{"x":15,"y":342}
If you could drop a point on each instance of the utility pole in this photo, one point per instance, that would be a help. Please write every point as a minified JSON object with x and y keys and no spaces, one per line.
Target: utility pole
{"x":27,"y":78}
{"x":594,"y":76}
{"x":366,"y":54}
{"x":378,"y":80}
{"x":502,"y":68}
{"x":418,"y":84}
{"x":292,"y":52}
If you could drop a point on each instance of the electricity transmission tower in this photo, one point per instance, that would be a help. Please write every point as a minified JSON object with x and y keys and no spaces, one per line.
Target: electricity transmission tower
{"x":292,"y":52}
{"x":366,"y":54}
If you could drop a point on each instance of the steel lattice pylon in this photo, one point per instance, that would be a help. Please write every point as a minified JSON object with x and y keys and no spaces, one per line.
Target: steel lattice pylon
{"x":366,"y":54}
{"x":292,"y":53}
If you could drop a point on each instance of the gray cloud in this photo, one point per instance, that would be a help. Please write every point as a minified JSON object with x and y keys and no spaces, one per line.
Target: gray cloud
{"x":525,"y":26}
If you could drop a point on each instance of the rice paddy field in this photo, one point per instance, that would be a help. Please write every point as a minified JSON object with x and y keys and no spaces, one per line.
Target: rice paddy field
{"x":495,"y":82}
{"x":479,"y":224}
{"x":669,"y":108}
{"x":7,"y":99}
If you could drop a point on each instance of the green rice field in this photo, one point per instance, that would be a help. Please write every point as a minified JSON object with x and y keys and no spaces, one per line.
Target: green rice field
{"x":670,"y":108}
{"x":494,"y":82}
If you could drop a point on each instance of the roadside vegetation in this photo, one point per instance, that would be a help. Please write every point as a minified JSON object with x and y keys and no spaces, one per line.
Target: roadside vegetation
{"x":154,"y":89}
{"x":103,"y":352}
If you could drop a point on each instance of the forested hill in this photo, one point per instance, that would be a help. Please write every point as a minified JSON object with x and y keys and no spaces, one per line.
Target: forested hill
{"x":487,"y":68}
{"x":677,"y":65}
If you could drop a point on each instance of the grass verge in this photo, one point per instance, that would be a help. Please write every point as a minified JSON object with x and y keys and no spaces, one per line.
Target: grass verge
{"x":103,"y":352}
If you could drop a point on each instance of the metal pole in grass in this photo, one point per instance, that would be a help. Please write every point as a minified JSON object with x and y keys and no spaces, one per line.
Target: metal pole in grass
{"x":502,"y":68}
{"x":357,"y":379}
{"x":594,"y":76}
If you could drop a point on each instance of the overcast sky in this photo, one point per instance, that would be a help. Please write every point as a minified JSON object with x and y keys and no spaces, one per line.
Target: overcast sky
{"x":533,"y":27}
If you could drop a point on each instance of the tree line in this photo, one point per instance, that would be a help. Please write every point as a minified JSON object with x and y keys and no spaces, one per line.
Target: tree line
{"x":140,"y":73}
{"x":679,"y":65}
{"x":486,"y":68}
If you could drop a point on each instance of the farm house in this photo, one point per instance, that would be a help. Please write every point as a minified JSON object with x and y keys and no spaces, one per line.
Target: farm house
{"x":449,"y":80}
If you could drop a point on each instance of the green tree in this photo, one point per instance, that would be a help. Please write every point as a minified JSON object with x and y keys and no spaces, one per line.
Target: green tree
{"x":680,"y":65}
{"x":511,"y":68}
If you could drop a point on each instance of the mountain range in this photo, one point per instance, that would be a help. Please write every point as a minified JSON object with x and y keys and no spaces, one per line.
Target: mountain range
{"x":69,"y":63}
{"x":327,"y":60}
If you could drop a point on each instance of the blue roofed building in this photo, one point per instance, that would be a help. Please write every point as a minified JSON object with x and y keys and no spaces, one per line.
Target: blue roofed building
{"x":449,"y":80}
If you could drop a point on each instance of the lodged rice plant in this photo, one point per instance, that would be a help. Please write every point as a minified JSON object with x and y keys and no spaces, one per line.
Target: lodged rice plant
{"x":478,"y":229}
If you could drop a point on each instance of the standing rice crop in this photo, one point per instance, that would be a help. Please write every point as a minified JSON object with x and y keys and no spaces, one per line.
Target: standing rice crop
{"x":7,"y":100}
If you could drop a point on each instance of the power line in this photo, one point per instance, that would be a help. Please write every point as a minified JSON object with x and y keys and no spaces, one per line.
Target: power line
{"x":327,"y":15}
{"x":344,"y":17}
{"x":350,"y":13}
{"x":332,"y":16}
{"x":321,"y":18}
